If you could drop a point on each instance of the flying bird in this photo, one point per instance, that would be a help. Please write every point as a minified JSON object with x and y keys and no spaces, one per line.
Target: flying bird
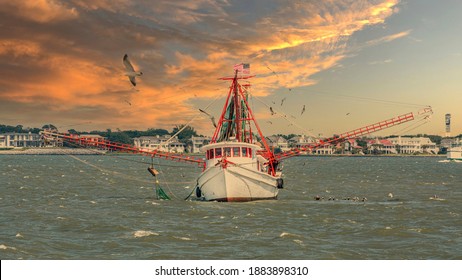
{"x":131,"y":73}
{"x":128,"y":102}
{"x":272,"y":112}
{"x":303,"y":110}
{"x":272,"y":70}
{"x":212,"y":118}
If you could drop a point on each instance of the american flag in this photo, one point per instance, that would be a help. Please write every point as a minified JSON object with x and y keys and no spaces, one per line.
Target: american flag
{"x":243,"y":68}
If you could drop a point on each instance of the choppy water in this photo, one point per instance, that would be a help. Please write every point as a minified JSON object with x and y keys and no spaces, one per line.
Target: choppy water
{"x":58,"y":207}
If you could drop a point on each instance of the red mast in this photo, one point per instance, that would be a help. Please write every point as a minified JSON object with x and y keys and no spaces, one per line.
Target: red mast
{"x":235,"y":123}
{"x":237,"y":116}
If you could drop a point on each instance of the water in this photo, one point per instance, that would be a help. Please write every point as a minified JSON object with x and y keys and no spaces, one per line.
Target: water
{"x":102,"y":207}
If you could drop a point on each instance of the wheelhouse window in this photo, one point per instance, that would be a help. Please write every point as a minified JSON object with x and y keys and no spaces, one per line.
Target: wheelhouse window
{"x":210,"y":154}
{"x":236,"y":152}
{"x":227,"y":151}
{"x":218,"y":153}
{"x":244,"y":152}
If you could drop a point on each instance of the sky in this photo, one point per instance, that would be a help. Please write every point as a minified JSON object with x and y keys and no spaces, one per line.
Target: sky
{"x":349,"y":63}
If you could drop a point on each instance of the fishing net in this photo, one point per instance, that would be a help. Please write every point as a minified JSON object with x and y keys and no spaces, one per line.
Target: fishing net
{"x":160,"y":193}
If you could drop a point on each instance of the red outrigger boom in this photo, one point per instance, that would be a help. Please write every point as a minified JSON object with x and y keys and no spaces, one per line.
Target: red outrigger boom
{"x":348,"y":135}
{"x":114,"y":146}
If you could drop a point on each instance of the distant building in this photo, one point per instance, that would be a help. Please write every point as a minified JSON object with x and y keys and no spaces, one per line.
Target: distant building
{"x":413,"y":145}
{"x":92,"y":140}
{"x":151,"y":143}
{"x":350,"y":146}
{"x":19,"y":140}
{"x":303,"y":141}
{"x":48,"y":140}
{"x":448,"y":142}
{"x":278,"y":142}
{"x":325,"y":150}
{"x":381,"y":146}
{"x":198,"y":142}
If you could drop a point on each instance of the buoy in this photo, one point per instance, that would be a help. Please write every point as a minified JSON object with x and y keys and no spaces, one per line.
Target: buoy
{"x":280,"y":183}
{"x":153,"y":171}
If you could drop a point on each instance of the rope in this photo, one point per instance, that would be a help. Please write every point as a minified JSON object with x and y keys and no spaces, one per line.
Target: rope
{"x":122,"y":158}
{"x":109,"y":171}
{"x":161,"y":174}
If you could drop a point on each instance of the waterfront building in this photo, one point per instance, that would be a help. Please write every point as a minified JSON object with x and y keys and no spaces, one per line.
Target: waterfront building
{"x":303,"y":141}
{"x":381,"y":146}
{"x":413,"y":145}
{"x":278,"y":142}
{"x":19,"y":140}
{"x":151,"y":143}
{"x":350,"y":146}
{"x":198,"y":142}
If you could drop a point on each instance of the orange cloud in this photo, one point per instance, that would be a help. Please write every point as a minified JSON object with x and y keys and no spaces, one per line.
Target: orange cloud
{"x":39,"y":10}
{"x":17,"y":48}
{"x":74,"y":69}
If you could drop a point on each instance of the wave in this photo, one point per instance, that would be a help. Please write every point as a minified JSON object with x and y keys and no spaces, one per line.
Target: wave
{"x":144,"y":233}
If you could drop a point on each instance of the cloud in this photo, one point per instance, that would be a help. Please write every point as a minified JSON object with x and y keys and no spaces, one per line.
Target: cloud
{"x":40,"y":11}
{"x":381,"y":62}
{"x":66,"y":56}
{"x":388,"y":38}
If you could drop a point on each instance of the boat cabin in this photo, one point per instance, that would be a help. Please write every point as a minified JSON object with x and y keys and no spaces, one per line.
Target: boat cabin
{"x":235,"y":152}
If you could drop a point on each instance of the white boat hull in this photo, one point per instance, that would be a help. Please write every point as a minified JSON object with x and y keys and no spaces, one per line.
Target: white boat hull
{"x":235,"y":183}
{"x":455,"y":153}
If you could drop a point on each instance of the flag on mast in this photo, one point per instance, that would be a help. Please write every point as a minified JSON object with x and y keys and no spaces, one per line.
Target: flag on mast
{"x":243,"y":68}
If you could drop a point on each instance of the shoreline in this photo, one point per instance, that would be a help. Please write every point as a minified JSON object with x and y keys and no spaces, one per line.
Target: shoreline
{"x":50,"y":151}
{"x":85,"y":151}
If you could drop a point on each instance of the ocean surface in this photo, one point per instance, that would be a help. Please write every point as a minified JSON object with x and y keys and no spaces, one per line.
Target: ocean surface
{"x":104,"y":207}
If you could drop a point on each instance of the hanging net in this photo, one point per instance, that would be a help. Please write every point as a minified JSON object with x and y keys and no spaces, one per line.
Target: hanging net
{"x":160,"y":193}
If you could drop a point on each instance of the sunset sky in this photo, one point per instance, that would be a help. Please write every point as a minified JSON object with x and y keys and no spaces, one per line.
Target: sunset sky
{"x":350,"y":63}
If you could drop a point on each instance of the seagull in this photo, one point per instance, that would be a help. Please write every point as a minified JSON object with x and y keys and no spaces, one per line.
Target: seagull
{"x":128,"y":102}
{"x":272,"y":71}
{"x":212,"y":118}
{"x":272,"y":112}
{"x":303,"y":110}
{"x":282,"y":101}
{"x":131,"y":73}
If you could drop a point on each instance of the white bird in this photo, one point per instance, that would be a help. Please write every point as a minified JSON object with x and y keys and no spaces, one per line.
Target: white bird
{"x":212,"y":118}
{"x":131,"y":73}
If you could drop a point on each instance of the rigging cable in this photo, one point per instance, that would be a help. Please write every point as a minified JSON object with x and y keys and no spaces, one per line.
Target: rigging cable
{"x":284,"y":116}
{"x":193,"y":119}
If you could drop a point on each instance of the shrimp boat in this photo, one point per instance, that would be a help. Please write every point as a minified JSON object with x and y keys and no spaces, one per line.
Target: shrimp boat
{"x":237,"y":166}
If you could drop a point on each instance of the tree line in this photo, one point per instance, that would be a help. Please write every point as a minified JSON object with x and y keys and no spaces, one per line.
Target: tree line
{"x":120,"y":136}
{"x":184,"y":136}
